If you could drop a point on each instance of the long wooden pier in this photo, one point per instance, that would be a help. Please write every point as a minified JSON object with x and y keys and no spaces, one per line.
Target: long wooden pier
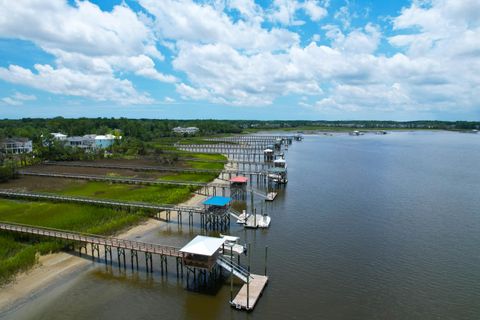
{"x":157,"y":208}
{"x":208,"y":220}
{"x":92,"y":239}
{"x":205,"y":187}
{"x":156,"y":168}
{"x":246,"y":298}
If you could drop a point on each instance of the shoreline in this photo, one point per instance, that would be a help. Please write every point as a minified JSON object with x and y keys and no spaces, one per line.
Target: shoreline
{"x":56,"y":267}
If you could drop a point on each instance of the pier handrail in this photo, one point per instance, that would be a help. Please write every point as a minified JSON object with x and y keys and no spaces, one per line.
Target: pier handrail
{"x":51,"y":196}
{"x":91,"y":238}
{"x":120,"y":179}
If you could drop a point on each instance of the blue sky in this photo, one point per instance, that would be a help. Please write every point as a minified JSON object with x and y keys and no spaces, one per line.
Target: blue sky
{"x":241,"y":59}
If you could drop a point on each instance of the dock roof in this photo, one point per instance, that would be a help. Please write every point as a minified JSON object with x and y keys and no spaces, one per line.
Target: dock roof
{"x":217,"y":201}
{"x":204,"y":246}
{"x":239,"y":179}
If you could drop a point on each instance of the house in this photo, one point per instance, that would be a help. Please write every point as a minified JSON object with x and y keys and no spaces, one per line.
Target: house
{"x":16,"y":145}
{"x":105,"y":141}
{"x":188,"y":130}
{"x":58,"y":136}
{"x":86,"y":142}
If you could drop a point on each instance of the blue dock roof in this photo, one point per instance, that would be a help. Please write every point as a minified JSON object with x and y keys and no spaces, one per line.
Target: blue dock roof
{"x":217,"y":201}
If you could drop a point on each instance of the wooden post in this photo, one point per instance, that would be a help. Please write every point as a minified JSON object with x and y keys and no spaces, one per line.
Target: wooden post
{"x":231,"y":274}
{"x":248,"y":278}
{"x":266,"y":253}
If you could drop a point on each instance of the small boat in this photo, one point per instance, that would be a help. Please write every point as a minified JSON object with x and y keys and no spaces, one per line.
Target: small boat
{"x":264,"y":222}
{"x":271,"y":196}
{"x":242,"y":217}
{"x":232,"y":245}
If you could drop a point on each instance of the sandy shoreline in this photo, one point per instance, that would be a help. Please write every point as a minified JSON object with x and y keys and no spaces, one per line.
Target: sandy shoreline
{"x":53,"y":268}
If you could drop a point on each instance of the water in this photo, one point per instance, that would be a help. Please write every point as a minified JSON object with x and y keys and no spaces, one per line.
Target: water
{"x":370,"y":227}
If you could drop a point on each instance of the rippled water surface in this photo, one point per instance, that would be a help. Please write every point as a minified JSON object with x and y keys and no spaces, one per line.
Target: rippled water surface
{"x":369,"y":227}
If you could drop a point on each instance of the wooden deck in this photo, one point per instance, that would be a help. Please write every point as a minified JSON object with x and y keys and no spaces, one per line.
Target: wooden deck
{"x":92,"y":239}
{"x":256,"y":286}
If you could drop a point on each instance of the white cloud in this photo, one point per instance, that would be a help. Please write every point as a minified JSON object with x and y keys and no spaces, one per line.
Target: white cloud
{"x":18,"y":99}
{"x":253,"y":57}
{"x":284,"y":11}
{"x":65,"y":81}
{"x":96,"y":45}
{"x":314,"y":10}
{"x":185,"y":20}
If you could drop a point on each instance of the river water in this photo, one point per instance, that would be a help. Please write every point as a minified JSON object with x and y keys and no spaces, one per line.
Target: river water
{"x":369,"y":227}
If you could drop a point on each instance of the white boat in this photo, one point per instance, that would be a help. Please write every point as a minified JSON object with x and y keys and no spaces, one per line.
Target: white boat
{"x":264,"y":222}
{"x":258,"y":221}
{"x":271,"y":196}
{"x":232,"y":245}
{"x":242,"y":217}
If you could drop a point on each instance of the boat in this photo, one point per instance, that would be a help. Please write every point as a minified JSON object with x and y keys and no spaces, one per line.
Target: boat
{"x":242,"y":217}
{"x":271,"y":196}
{"x":231,"y":244}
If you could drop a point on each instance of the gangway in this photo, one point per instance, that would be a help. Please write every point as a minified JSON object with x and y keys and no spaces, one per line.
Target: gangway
{"x":239,"y":271}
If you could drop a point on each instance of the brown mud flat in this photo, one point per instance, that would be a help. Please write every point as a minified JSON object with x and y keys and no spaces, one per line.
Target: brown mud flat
{"x":45,"y":184}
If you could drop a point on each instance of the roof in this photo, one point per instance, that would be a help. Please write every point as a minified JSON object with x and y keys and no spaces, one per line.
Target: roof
{"x":204,"y":246}
{"x":15,"y":140}
{"x":217,"y":201}
{"x":105,"y":137}
{"x":229,"y":238}
{"x":239,"y":179}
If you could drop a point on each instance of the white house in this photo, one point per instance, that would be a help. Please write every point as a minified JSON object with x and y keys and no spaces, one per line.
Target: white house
{"x":188,"y":130}
{"x":16,"y":145}
{"x":86,"y":142}
{"x":58,"y":136}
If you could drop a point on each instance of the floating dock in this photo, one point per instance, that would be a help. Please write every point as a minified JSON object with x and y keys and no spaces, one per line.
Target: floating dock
{"x":249,"y":294}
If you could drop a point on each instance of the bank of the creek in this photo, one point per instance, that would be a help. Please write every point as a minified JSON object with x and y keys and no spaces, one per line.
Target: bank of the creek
{"x":369,"y":227}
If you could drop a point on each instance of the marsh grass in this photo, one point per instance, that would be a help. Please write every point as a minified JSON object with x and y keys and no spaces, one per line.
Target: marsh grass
{"x":162,"y":194}
{"x":20,"y":253}
{"x":193,"y":177}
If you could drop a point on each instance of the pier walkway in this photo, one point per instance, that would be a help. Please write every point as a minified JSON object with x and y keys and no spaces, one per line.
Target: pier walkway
{"x":101,"y":202}
{"x":92,"y":239}
{"x":246,"y":298}
{"x":155,"y":168}
{"x":205,"y":187}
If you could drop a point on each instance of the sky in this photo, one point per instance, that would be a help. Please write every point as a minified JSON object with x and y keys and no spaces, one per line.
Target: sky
{"x":241,"y":59}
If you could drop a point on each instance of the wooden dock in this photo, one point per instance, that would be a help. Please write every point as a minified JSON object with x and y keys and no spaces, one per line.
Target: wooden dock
{"x":248,"y":296}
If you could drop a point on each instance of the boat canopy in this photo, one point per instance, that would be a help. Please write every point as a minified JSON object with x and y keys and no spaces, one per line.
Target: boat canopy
{"x":204,"y":246}
{"x":217,"y":201}
{"x":239,"y":179}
